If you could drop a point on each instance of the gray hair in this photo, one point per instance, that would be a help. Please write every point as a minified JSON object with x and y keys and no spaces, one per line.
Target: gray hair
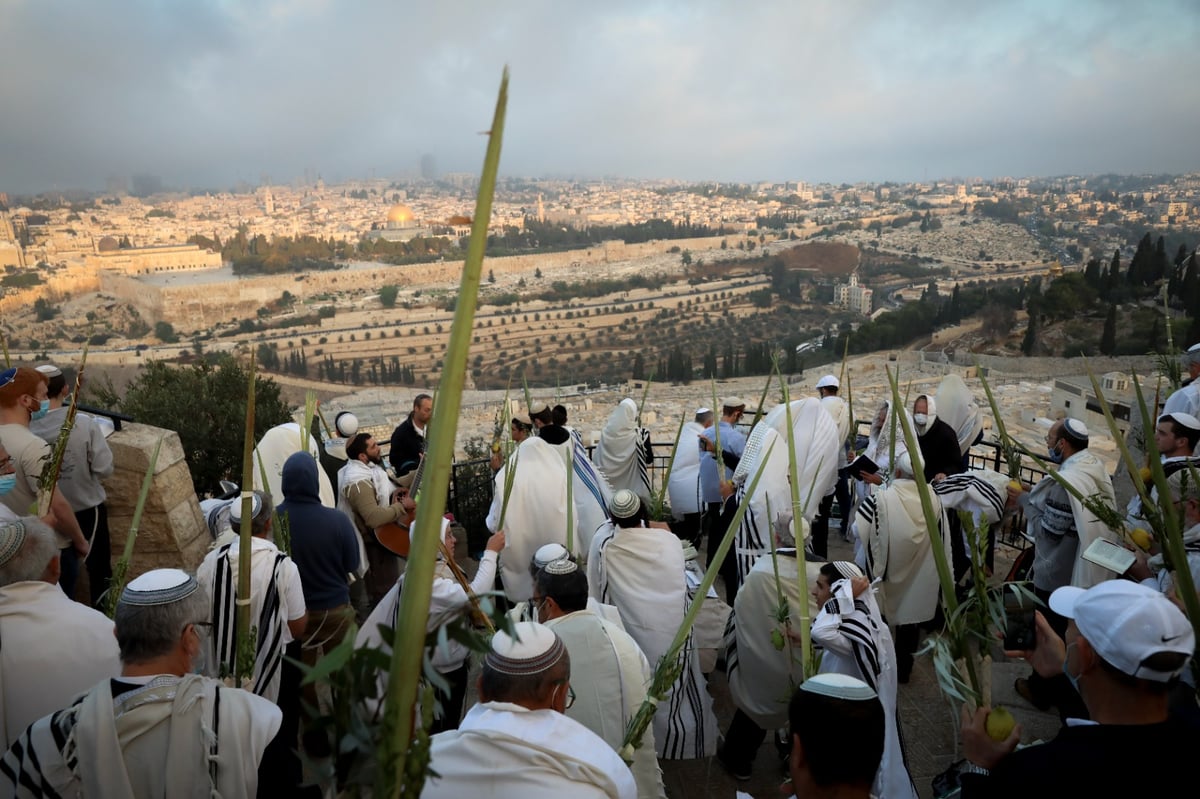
{"x":496,"y":686}
{"x":145,"y":632}
{"x":1189,"y":358}
{"x":1184,"y":486}
{"x":37,"y":550}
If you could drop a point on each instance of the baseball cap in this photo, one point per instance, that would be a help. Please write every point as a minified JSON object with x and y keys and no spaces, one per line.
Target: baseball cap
{"x":1127,"y":623}
{"x":828,"y":381}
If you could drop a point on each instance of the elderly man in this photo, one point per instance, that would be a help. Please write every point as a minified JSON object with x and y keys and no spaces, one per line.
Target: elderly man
{"x":535,"y":511}
{"x":640,"y":569}
{"x":1124,"y":648}
{"x":1063,"y":528}
{"x":516,"y":741}
{"x":87,"y":461}
{"x":899,"y":550}
{"x":158,"y":724}
{"x":409,"y":437}
{"x":369,"y":498}
{"x":53,"y":649}
{"x":24,"y":398}
{"x":623,"y":452}
{"x":610,"y":673}
{"x":276,"y":599}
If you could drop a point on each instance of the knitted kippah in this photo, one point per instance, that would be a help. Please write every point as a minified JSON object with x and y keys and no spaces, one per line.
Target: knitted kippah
{"x":159,"y":587}
{"x":532,"y":649}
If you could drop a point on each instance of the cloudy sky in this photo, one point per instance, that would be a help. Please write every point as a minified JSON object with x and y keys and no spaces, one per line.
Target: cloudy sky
{"x":209,"y":92}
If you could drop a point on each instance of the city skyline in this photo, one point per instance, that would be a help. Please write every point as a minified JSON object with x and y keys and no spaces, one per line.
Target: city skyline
{"x":209,"y":94}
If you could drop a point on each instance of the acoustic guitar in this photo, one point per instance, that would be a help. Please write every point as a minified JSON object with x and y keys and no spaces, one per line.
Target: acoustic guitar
{"x":394,"y":536}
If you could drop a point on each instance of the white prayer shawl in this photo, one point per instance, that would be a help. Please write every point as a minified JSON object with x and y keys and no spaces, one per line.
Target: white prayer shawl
{"x":536,"y":514}
{"x":1185,"y":400}
{"x":523,"y":611}
{"x":355,"y":471}
{"x":505,"y":750}
{"x":591,"y":493}
{"x":981,"y":492}
{"x":839,"y":411}
{"x":1088,"y":475}
{"x":761,"y":677}
{"x":609,"y":675}
{"x":958,"y":409}
{"x":51,"y":650}
{"x":816,"y":444}
{"x":1164,"y":579}
{"x":277,"y":445}
{"x":857,"y":643}
{"x":175,"y":737}
{"x":683,"y":488}
{"x":641,"y":571}
{"x":272,"y":605}
{"x":879,"y":448}
{"x":899,"y":550}
{"x":621,"y":451}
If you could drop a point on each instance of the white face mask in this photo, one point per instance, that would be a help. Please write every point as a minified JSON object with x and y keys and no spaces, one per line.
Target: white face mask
{"x":920,"y":418}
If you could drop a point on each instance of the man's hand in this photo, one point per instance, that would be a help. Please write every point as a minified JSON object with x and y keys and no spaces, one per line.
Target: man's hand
{"x":1049,"y":653}
{"x":727,"y":489}
{"x":978,"y":746}
{"x":496,"y":542}
{"x":939,"y":477}
{"x":873,"y":479}
{"x":82,"y":547}
{"x":858,"y":585}
{"x":496,"y":461}
{"x":1140,"y":570}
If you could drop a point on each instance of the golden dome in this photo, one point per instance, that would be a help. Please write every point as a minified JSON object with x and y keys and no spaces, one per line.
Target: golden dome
{"x":400,"y":214}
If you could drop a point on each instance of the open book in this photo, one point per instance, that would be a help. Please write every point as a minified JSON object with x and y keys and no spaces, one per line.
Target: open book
{"x":1105,"y":553}
{"x":860,"y":466}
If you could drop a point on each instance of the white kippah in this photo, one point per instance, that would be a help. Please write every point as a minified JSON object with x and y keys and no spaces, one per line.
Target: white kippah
{"x":548,"y":553}
{"x":828,"y":381}
{"x":537,"y":406}
{"x":1075,"y":427}
{"x":625,"y":503}
{"x":235,"y":510}
{"x":838,"y":686}
{"x":1185,"y":419}
{"x":1195,"y":347}
{"x":159,"y":587}
{"x":12,"y":536}
{"x":346,"y":424}
{"x":50,"y":370}
{"x":701,"y":411}
{"x":531,"y":649}
{"x":561,"y":566}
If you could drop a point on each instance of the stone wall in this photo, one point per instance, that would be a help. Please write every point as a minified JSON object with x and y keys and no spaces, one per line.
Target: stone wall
{"x":61,"y":282}
{"x":172,"y":532}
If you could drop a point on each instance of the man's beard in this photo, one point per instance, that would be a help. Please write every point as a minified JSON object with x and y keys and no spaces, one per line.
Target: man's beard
{"x":378,"y":461}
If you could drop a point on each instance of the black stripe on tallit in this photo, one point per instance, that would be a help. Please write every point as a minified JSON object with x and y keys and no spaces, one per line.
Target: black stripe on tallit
{"x":224,"y":614}
{"x":959,"y":483}
{"x":748,"y":537}
{"x":269,"y":653}
{"x":39,"y":786}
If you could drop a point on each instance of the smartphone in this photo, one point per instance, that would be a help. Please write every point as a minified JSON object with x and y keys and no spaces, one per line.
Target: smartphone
{"x":1020,"y":630}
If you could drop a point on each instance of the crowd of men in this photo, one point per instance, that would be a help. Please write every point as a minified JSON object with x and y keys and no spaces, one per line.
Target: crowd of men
{"x":599,"y":573}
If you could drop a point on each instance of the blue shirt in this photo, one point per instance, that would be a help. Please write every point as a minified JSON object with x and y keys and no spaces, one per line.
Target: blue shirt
{"x":733,"y":442}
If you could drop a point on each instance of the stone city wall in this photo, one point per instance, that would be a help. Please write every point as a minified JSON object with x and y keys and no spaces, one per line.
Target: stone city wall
{"x":63,"y":281}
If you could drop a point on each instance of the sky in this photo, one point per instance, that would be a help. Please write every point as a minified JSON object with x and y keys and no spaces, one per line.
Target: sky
{"x":206,"y":93}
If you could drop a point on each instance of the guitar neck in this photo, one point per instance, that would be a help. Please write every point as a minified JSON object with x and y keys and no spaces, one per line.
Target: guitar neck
{"x":416,"y":483}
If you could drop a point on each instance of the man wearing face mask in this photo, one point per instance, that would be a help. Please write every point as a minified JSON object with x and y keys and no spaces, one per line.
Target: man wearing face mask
{"x":1062,"y":529}
{"x":24,"y":397}
{"x":1125,"y":646}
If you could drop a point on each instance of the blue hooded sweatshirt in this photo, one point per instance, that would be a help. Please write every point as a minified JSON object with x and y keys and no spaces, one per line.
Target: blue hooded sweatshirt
{"x":324,"y":541}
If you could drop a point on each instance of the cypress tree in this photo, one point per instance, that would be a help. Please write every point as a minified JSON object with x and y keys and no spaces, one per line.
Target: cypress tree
{"x":1108,"y":339}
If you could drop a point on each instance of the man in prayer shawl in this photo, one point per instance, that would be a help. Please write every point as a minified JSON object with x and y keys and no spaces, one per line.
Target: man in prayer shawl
{"x":559,"y":414}
{"x":53,"y":648}
{"x":1187,"y":399}
{"x":516,"y":740}
{"x":763,"y":664}
{"x":547,"y":554}
{"x":837,"y":738}
{"x":899,"y":551}
{"x":274,"y":448}
{"x":590,"y":492}
{"x":640,"y":569}
{"x":277,"y":607}
{"x":957,"y":408}
{"x":683,"y":486}
{"x":1175,"y":436}
{"x":623,"y":451}
{"x":609,"y":672}
{"x":159,"y":729}
{"x":1152,"y":571}
{"x":369,"y":498}
{"x":815,"y":440}
{"x":941,"y":458}
{"x":536,"y":509}
{"x":447,"y":601}
{"x":856,"y":642}
{"x":839,"y":411}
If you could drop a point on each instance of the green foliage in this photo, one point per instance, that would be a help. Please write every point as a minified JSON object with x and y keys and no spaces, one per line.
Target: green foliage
{"x":165,"y":332}
{"x":203,"y":403}
{"x":43,"y":311}
{"x":387,"y":295}
{"x":21,"y":280}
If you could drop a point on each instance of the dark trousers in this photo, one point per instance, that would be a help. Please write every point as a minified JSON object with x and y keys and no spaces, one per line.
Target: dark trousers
{"x":716,"y":523}
{"x":841,"y":492}
{"x":452,"y":703}
{"x":94,"y":523}
{"x":908,"y":637}
{"x":959,"y":557}
{"x":742,"y":740}
{"x":68,"y":563}
{"x":689,"y":528}
{"x":281,"y":760}
{"x":819,"y":540}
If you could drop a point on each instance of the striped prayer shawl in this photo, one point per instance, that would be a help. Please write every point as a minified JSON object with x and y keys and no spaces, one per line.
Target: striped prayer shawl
{"x":971,"y":492}
{"x":43,"y":761}
{"x":861,"y":631}
{"x":268,"y":652}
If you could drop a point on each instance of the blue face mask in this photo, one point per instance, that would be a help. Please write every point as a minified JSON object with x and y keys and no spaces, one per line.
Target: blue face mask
{"x":1073,"y":678}
{"x":40,"y":412}
{"x":7,"y":483}
{"x":1054,"y":455}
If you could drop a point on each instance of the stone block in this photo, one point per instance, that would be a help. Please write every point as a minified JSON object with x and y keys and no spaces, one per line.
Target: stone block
{"x":170,"y":487}
{"x":134,"y":443}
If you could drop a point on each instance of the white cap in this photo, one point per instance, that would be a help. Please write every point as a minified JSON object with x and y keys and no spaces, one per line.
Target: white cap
{"x":838,"y":686}
{"x":1185,"y":419}
{"x":538,"y":406}
{"x":624,"y":504}
{"x":703,"y":410}
{"x":1126,"y":623}
{"x":531,"y":649}
{"x":159,"y":587}
{"x":828,"y":381}
{"x":548,"y":553}
{"x":256,"y":506}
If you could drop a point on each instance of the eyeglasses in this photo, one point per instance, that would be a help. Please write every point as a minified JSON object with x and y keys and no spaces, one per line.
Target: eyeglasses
{"x":570,"y":697}
{"x":6,"y":463}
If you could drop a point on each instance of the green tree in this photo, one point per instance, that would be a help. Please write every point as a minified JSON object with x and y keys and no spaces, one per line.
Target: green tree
{"x":1108,"y":339}
{"x":387,"y":295}
{"x":686,"y":258}
{"x":165,"y":332}
{"x":206,"y":404}
{"x":1031,"y":333}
